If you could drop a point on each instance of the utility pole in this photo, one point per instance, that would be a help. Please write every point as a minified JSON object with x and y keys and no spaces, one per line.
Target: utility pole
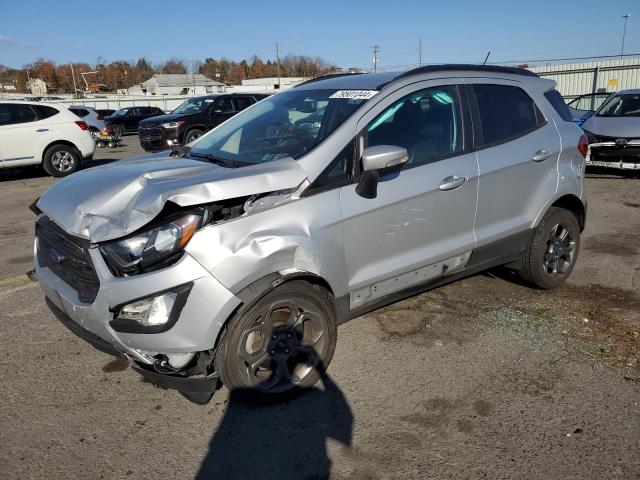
{"x":624,"y":33}
{"x":486,"y":58}
{"x":278,"y":63}
{"x":376,"y":52}
{"x":73,"y":77}
{"x":419,"y":51}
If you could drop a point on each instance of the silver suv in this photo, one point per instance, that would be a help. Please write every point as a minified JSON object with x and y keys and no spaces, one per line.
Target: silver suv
{"x":235,"y":259}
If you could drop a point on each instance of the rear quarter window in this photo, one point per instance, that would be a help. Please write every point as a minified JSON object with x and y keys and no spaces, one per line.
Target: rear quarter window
{"x":558,"y":104}
{"x":506,"y":112}
{"x":81,"y":112}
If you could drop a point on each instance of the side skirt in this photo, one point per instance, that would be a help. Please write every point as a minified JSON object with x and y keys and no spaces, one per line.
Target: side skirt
{"x":502,"y":252}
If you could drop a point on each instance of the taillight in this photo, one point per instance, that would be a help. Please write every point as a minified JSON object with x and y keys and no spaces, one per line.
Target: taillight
{"x":82,"y":125}
{"x":583,"y":145}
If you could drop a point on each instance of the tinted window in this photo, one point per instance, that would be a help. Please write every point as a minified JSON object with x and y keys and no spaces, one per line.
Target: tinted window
{"x":224,"y":105}
{"x":11,"y":113}
{"x":81,"y":112}
{"x":45,"y":111}
{"x":243,"y":102}
{"x":505,"y":112}
{"x":621,"y":105}
{"x":557,"y":102}
{"x":428,"y":123}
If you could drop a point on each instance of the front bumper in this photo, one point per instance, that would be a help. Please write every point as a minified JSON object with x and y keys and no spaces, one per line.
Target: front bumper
{"x":207,"y":308}
{"x":612,"y":155}
{"x":158,"y":138}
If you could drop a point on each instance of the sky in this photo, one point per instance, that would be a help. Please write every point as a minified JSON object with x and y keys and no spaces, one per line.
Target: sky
{"x":342,"y":32}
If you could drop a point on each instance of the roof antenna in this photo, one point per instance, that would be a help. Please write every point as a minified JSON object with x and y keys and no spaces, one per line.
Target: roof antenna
{"x":486,"y":58}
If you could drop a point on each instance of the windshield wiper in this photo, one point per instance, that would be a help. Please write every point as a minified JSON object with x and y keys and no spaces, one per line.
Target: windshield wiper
{"x":219,"y":161}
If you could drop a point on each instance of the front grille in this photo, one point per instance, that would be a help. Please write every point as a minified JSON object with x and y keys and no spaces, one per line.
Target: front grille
{"x":604,"y":139}
{"x":68,"y":257}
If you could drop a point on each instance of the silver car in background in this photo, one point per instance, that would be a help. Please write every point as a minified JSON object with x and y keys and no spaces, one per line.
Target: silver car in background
{"x":235,"y":259}
{"x":613,"y":132}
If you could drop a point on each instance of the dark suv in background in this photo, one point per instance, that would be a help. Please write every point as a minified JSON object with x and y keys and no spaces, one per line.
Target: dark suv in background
{"x":192,"y":119}
{"x":127,"y":119}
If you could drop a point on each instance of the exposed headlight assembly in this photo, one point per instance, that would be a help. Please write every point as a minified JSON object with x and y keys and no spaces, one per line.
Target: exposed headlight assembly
{"x":157,"y":247}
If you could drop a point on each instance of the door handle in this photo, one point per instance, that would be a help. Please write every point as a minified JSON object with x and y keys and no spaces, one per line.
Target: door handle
{"x":454,"y":181}
{"x":42,"y":130}
{"x":540,"y":156}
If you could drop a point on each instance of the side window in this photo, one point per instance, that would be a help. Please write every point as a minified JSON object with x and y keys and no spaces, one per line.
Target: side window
{"x":224,"y":105}
{"x":506,"y":112}
{"x":12,"y":113}
{"x":338,"y":172}
{"x":242,"y":103}
{"x":428,"y":123}
{"x":81,"y":112}
{"x":557,"y":102}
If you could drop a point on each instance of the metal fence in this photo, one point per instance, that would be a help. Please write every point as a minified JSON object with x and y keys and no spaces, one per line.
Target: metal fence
{"x":603,"y":76}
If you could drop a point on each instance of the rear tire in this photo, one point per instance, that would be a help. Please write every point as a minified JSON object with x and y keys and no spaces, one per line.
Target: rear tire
{"x":118,"y":130}
{"x":61,"y":160}
{"x":274,"y":349}
{"x":553,"y":251}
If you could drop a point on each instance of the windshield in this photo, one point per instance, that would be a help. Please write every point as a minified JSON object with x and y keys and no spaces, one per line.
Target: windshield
{"x":194,"y":105}
{"x":269,"y":130}
{"x":121,"y":112}
{"x":625,"y":105}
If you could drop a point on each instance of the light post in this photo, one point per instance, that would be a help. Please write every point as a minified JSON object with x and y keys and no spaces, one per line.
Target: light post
{"x":624,"y":33}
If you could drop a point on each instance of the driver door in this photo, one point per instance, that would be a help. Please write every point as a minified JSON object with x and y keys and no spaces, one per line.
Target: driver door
{"x":222,"y":110}
{"x":421,"y":224}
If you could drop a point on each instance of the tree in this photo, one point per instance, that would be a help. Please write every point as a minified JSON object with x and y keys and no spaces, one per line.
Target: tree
{"x":173,"y":65}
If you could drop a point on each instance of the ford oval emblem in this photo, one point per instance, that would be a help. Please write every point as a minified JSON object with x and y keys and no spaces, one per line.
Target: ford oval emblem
{"x":56,"y":256}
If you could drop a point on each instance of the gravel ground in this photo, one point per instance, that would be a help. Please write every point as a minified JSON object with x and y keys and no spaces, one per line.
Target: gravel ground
{"x":483,"y":378}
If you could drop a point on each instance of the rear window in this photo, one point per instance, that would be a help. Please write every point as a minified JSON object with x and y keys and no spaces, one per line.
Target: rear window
{"x":558,"y":104}
{"x":81,"y":112}
{"x":506,"y":112}
{"x":45,"y":111}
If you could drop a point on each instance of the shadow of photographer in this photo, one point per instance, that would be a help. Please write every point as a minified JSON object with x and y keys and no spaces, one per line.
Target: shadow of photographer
{"x":283,"y":441}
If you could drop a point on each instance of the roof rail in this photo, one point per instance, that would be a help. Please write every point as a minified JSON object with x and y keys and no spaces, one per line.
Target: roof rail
{"x":327,"y":77}
{"x":469,"y":68}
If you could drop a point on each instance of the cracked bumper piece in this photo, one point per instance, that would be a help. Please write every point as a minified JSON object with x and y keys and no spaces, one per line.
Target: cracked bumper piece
{"x":196,"y":328}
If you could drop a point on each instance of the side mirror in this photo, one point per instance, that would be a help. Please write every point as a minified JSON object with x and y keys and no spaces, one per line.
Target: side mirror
{"x":376,"y":161}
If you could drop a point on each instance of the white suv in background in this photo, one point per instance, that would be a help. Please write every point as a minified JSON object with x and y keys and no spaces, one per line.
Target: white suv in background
{"x":32,"y":133}
{"x":93,"y":118}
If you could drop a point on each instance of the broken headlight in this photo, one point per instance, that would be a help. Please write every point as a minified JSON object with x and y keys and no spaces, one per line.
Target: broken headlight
{"x":156,"y":247}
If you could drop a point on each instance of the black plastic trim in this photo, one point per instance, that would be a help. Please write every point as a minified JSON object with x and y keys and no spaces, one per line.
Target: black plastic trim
{"x":467,"y":68}
{"x":198,"y":385}
{"x":130,"y":326}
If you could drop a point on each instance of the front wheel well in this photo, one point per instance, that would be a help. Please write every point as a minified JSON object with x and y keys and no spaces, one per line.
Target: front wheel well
{"x":575,"y":206}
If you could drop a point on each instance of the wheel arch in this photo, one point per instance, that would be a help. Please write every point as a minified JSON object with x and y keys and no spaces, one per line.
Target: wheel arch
{"x":575,"y":205}
{"x":259,"y":288}
{"x":60,"y":142}
{"x":190,"y":128}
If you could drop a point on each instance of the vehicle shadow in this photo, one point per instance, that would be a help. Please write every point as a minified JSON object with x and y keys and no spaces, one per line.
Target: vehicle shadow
{"x":283,"y":441}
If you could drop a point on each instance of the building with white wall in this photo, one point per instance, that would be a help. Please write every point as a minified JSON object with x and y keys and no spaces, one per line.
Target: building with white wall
{"x":177,"y":84}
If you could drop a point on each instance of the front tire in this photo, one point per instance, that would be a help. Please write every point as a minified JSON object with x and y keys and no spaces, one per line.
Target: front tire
{"x":61,"y":160}
{"x":553,"y":251}
{"x":192,"y":135}
{"x":274,"y":349}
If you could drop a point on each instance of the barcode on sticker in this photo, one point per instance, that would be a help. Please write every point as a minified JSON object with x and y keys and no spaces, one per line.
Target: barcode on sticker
{"x":354,"y":94}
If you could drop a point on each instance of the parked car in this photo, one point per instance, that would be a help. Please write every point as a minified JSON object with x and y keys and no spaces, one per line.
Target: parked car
{"x":92,"y":117}
{"x":614,"y":132}
{"x":33,"y":133}
{"x":105,"y":112}
{"x":126,"y":119}
{"x":583,"y":106}
{"x":236,"y":260}
{"x":192,"y":119}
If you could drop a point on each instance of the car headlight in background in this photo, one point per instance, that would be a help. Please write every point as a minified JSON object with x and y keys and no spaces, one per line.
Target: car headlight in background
{"x":172,"y":124}
{"x":157,"y":246}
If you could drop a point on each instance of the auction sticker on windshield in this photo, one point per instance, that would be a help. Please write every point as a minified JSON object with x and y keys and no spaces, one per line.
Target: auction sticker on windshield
{"x":354,"y":94}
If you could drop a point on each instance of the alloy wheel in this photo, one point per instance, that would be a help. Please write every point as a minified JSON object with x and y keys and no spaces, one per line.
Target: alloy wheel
{"x":62,"y":161}
{"x":560,"y":250}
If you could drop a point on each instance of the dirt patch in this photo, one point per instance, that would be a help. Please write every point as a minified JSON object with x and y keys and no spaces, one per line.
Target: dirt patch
{"x":20,"y":260}
{"x":119,"y":364}
{"x":621,"y":245}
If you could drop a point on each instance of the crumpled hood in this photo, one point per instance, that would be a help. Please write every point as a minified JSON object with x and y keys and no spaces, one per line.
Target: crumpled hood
{"x":618,"y":127}
{"x":110,"y":201}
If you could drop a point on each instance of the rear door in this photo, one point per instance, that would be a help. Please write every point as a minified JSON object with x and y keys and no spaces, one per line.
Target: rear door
{"x":518,"y":150}
{"x":424,"y":215}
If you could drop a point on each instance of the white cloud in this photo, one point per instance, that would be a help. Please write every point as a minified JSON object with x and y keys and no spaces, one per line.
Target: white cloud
{"x":4,"y":40}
